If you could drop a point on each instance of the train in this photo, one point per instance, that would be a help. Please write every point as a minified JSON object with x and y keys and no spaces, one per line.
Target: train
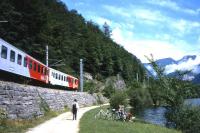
{"x":16,"y":62}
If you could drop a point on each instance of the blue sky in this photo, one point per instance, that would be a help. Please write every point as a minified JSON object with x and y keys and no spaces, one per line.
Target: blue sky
{"x":164,"y":28}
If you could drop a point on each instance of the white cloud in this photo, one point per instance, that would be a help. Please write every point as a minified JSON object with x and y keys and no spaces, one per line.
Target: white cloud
{"x":135,"y":12}
{"x":80,"y":4}
{"x":188,"y":65}
{"x":140,"y":48}
{"x":117,"y":10}
{"x":117,"y":36}
{"x":139,"y":14}
{"x":174,"y":6}
{"x":183,"y":26}
{"x":161,"y":45}
{"x":99,"y":20}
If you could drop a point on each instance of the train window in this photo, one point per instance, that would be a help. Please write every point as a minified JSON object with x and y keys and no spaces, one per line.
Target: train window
{"x":12,"y":56}
{"x":34,"y":66}
{"x":38,"y":68}
{"x":19,"y":59}
{"x":42,"y":69}
{"x":4,"y":52}
{"x":45,"y":71}
{"x":25,"y":62}
{"x":56,"y":76}
{"x":59,"y":77}
{"x":62,"y":78}
{"x":30,"y":64}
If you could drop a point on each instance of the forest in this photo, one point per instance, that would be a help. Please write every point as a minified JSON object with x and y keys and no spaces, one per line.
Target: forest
{"x":33,"y":24}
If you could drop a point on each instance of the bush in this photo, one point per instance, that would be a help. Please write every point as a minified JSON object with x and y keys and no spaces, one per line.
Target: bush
{"x":139,"y":98}
{"x":90,"y":87}
{"x":108,"y":91}
{"x":118,"y":98}
{"x":187,"y":119}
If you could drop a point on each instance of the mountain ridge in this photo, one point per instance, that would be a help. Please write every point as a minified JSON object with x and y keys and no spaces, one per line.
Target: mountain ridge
{"x":187,"y":62}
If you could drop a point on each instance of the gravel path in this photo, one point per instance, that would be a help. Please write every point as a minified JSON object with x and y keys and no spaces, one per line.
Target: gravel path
{"x":62,"y":123}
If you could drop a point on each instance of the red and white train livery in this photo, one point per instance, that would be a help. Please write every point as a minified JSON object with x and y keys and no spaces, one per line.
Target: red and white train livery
{"x":18,"y":62}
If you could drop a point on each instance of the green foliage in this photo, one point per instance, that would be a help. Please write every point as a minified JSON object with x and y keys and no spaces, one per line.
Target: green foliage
{"x":173,"y":91}
{"x":187,"y":119}
{"x":36,"y":23}
{"x":90,"y":87}
{"x":155,"y":92}
{"x":99,"y":98}
{"x":43,"y":105}
{"x":108,"y":91}
{"x":106,"y":30}
{"x":139,"y":97}
{"x":3,"y":116}
{"x":118,"y":98}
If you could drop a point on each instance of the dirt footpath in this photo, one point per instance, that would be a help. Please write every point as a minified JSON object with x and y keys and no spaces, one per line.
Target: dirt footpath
{"x":62,"y":123}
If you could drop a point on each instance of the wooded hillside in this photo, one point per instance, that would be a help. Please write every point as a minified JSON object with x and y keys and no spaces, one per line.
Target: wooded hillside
{"x":33,"y":24}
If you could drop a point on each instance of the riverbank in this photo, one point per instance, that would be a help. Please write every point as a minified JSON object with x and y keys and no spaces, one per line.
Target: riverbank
{"x":88,"y":124}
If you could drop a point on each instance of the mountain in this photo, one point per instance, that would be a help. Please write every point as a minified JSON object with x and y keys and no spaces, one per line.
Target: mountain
{"x":165,"y":62}
{"x":33,"y":24}
{"x":196,"y":79}
{"x":187,"y":57}
{"x":188,"y":62}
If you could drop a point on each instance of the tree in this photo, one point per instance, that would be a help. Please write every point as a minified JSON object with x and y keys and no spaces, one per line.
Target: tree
{"x":106,"y":30}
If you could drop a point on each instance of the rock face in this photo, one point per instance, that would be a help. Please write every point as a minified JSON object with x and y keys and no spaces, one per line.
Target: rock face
{"x":116,"y":82}
{"x":26,"y":102}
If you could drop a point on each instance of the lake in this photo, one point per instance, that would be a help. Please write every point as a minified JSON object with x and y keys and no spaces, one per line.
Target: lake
{"x":156,"y":116}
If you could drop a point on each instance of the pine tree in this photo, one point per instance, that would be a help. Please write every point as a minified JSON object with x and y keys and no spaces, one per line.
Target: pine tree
{"x":106,"y":30}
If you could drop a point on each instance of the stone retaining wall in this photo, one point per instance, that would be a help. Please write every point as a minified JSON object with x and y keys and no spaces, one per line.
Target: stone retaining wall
{"x":26,"y":102}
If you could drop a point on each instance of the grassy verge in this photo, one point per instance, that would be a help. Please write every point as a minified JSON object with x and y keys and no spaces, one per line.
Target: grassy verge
{"x":89,"y":124}
{"x":21,"y":126}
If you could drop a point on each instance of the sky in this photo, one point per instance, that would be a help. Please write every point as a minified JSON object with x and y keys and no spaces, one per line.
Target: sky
{"x":164,"y":28}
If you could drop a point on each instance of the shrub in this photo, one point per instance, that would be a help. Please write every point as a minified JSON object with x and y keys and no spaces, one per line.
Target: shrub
{"x":90,"y":87}
{"x":187,"y":119}
{"x":3,"y":116}
{"x":118,"y":98}
{"x":108,"y":91}
{"x":139,"y":98}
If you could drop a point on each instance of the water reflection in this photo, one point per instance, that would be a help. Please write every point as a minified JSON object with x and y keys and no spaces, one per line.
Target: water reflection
{"x":193,"y":102}
{"x":156,"y":115}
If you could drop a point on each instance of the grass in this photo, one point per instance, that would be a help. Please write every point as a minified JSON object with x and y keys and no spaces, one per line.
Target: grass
{"x":88,"y":124}
{"x":21,"y":126}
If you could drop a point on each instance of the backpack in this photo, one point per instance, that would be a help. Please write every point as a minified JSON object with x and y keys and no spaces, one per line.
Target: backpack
{"x":74,"y":107}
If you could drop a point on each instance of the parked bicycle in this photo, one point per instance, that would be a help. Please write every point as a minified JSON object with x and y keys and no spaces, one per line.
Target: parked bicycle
{"x":113,"y":114}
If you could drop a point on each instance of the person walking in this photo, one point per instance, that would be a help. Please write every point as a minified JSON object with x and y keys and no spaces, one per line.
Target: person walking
{"x":75,"y":108}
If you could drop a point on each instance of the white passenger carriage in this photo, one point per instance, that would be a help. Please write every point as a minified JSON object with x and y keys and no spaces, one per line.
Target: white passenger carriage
{"x":59,"y":78}
{"x":13,"y":60}
{"x":18,"y":62}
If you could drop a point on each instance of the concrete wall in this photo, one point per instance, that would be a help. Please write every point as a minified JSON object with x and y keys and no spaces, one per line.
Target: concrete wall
{"x":25,"y":102}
